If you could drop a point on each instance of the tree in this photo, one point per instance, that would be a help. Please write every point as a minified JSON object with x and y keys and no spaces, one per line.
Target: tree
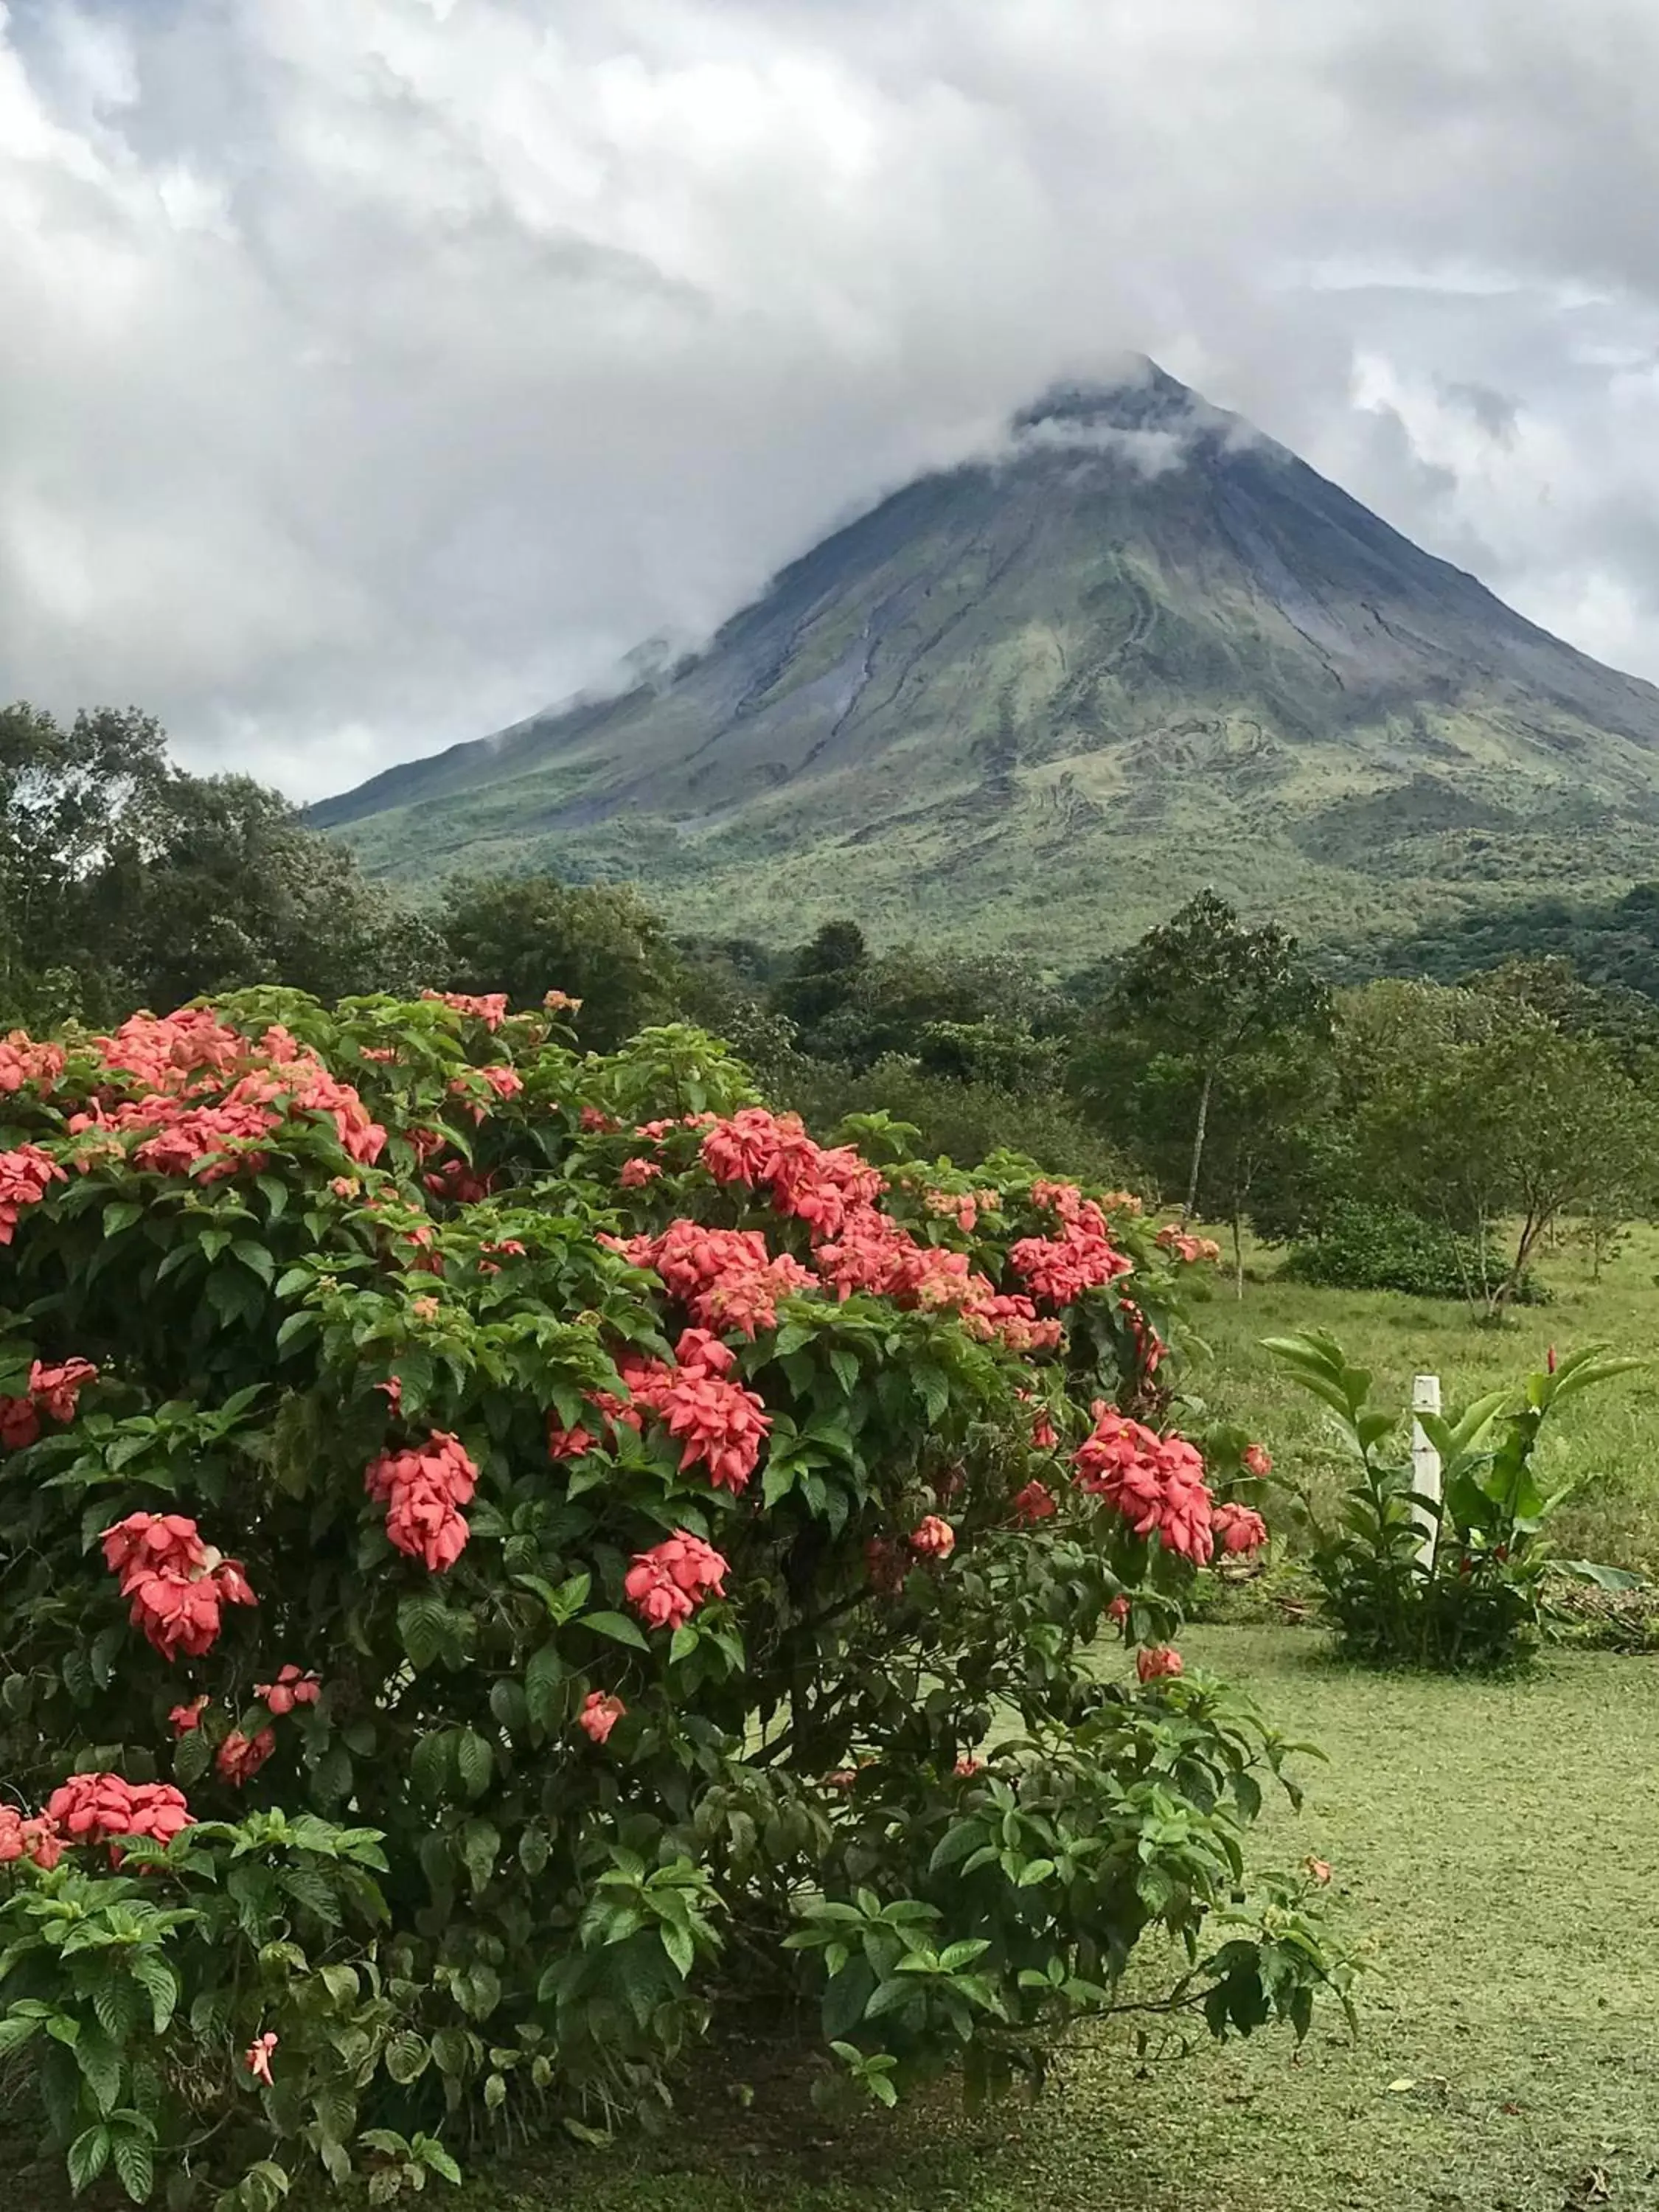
{"x":125,"y":882}
{"x":820,"y":977}
{"x":1267,"y":1115}
{"x":1201,"y":988}
{"x":600,"y":943}
{"x":236,"y":891}
{"x":1526,"y":1124}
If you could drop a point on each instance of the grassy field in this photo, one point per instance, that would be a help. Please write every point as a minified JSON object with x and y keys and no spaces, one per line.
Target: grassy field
{"x":1506,"y":2056}
{"x":1607,"y":1446}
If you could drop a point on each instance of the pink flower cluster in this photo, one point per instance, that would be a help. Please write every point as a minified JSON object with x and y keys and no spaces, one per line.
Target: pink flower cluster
{"x":240,"y":1757}
{"x":1156,"y":1483}
{"x":188,"y":1115}
{"x":728,"y":1278}
{"x":1238,"y":1528}
{"x":724,"y":1278}
{"x":293,"y":1686}
{"x":1081,"y":1258}
{"x":878,"y":1255}
{"x":963,"y":1207}
{"x":489,"y":1008}
{"x":462,"y":1185}
{"x":1034,"y":1504}
{"x":719,"y":1422}
{"x":933,"y":1538}
{"x":1149,"y":1347}
{"x":164,"y":1054}
{"x":666,"y":1585}
{"x":1189,"y":1250}
{"x":805,"y":1179}
{"x":599,"y":1714}
{"x":1159,"y":1662}
{"x":22,"y":1062}
{"x":22,"y":1837}
{"x":422,"y":1491}
{"x":25,"y":1176}
{"x":52,"y":1395}
{"x":93,"y":1809}
{"x":177,"y":1583}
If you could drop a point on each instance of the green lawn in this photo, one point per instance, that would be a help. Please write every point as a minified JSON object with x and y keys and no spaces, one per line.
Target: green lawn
{"x":1495,"y":1855}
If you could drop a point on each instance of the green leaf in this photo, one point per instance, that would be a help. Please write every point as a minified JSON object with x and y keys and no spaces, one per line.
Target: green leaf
{"x":544,"y":1679}
{"x":100,"y":2067}
{"x":474,"y":1763}
{"x":1606,"y":1578}
{"x":15,"y":2031}
{"x":121,"y":1213}
{"x":431,"y":2154}
{"x":423,"y":1628}
{"x":407,"y":2058}
{"x":955,"y":1845}
{"x":481,"y":1846}
{"x":255,"y":1256}
{"x":431,"y":1764}
{"x":159,"y":1983}
{"x":88,"y":2154}
{"x":617,"y":1626}
{"x":115,"y":2001}
{"x":135,"y":2163}
{"x":452,"y":2050}
{"x":192,"y":1755}
{"x":264,"y":2186}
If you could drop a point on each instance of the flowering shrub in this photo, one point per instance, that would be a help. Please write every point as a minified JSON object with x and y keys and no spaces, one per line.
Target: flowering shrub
{"x":1456,"y":1581}
{"x":684,"y":1582}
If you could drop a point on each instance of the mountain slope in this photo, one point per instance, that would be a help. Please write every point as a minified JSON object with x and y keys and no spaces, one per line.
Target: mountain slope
{"x":1036,"y":699}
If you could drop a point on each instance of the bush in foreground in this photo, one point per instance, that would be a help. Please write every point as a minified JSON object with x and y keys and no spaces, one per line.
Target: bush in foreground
{"x":507,"y":1551}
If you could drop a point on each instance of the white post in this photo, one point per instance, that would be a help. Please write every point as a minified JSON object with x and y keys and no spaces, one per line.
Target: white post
{"x":1426,"y":1461}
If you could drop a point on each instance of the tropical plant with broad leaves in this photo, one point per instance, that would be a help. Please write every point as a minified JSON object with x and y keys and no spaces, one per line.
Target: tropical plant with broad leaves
{"x":1457,"y":1580}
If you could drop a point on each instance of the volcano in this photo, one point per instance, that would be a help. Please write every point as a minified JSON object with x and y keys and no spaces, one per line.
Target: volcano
{"x":1034,"y":700}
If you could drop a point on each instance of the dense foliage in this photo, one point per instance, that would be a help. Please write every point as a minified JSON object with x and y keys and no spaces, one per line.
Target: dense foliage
{"x":1457,"y":1580}
{"x":125,"y":882}
{"x":1382,"y":1248}
{"x":506,"y":1552}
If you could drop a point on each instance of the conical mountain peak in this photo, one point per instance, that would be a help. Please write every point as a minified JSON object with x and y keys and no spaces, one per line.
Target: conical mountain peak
{"x":1038,"y":698}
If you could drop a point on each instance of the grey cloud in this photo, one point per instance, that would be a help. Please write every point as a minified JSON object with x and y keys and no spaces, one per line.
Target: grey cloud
{"x":378,"y":372}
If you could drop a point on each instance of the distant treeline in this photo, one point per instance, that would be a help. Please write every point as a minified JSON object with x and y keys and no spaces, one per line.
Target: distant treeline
{"x":1613,"y":945}
{"x":1506,"y":1071}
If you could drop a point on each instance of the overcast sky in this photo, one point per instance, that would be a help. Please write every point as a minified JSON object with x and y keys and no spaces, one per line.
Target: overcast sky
{"x":374,"y":372}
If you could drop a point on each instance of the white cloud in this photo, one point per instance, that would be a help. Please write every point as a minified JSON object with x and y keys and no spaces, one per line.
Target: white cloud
{"x":376,"y":372}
